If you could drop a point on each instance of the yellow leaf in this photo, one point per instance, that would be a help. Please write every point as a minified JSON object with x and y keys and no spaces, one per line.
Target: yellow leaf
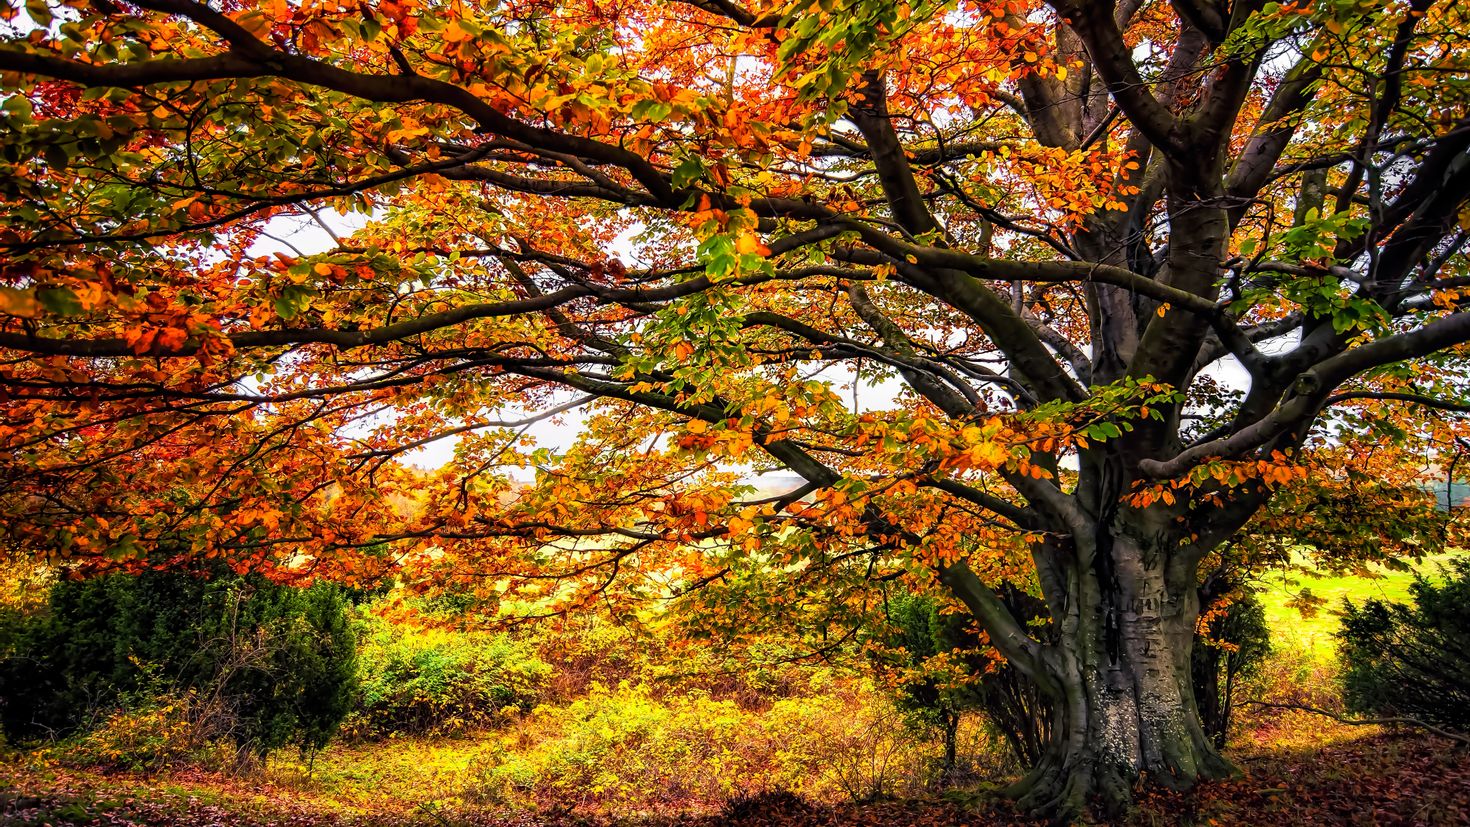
{"x":989,"y":453}
{"x":22,"y":303}
{"x":454,"y":34}
{"x":747,"y":243}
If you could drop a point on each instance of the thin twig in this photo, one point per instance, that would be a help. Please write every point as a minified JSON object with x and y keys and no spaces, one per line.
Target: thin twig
{"x":1367,"y":721}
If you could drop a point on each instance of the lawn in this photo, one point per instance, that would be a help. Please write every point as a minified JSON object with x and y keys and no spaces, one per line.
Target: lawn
{"x":1313,"y":633}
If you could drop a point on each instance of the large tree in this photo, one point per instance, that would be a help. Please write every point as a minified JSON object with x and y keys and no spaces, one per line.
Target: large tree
{"x":1038,"y":297}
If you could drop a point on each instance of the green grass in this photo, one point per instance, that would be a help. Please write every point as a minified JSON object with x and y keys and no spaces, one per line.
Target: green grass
{"x":1314,"y":633}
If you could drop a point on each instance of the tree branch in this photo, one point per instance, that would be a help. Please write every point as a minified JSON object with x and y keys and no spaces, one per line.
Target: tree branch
{"x":1397,"y":720}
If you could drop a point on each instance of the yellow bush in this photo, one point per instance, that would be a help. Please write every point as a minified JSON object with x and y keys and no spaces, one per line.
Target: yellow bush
{"x":167,"y":731}
{"x":626,"y":749}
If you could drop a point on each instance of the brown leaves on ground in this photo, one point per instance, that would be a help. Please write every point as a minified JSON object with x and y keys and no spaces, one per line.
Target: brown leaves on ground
{"x":1380,"y":780}
{"x":1375,"y":779}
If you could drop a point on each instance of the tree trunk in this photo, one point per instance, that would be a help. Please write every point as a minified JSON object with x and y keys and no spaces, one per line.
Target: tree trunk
{"x":1209,"y":696}
{"x":951,"y":747}
{"x":1123,"y":703}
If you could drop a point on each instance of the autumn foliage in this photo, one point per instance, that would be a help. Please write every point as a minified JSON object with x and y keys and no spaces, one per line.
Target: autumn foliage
{"x":1046,"y":296}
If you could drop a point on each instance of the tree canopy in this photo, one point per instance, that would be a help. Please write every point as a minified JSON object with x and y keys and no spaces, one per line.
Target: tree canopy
{"x":1049,"y":296}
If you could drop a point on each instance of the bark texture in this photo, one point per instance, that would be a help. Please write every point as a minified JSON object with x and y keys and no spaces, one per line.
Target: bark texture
{"x":1119,"y":683}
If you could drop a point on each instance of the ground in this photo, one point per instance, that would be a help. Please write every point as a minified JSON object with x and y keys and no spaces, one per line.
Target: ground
{"x":1296,"y":769}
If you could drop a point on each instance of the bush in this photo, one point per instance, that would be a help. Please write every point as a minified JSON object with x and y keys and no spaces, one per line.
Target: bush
{"x":1233,"y":643}
{"x":944,"y":669}
{"x":273,"y":664}
{"x":852,"y":745}
{"x":150,"y":736}
{"x":1412,"y":660}
{"x":918,"y":641}
{"x":625,"y":748}
{"x":628,"y":749}
{"x":432,"y":682}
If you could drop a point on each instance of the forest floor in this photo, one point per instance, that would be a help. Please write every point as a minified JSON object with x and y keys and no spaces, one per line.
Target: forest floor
{"x":1296,"y":769}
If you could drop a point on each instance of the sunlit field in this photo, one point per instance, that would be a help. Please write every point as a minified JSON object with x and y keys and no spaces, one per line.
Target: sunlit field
{"x":1314,"y":632}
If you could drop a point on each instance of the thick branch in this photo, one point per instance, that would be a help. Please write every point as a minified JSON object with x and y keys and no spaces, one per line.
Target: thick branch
{"x":1094,"y":22}
{"x":1312,"y":388}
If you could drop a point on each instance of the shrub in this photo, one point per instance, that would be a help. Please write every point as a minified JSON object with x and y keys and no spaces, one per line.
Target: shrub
{"x":918,"y":640}
{"x":427,"y":681}
{"x":853,"y":745}
{"x":763,"y":806}
{"x":1233,"y":643}
{"x":1412,"y":660}
{"x":944,"y":669}
{"x":627,"y":749}
{"x":274,"y":663}
{"x":624,"y":748}
{"x":149,"y":736}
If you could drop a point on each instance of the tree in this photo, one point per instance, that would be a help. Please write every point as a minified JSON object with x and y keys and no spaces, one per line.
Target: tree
{"x":1126,"y":261}
{"x":940,"y":669}
{"x":1236,"y":642}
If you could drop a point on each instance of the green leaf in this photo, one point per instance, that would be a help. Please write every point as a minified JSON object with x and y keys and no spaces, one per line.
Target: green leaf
{"x":39,"y":12}
{"x":691,"y":169}
{"x":651,"y":110}
{"x":19,"y":106}
{"x":294,"y":299}
{"x":59,"y":300}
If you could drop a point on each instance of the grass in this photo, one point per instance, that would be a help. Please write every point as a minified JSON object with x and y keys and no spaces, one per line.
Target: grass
{"x":1313,"y":633}
{"x":394,"y":775}
{"x":1296,"y":764}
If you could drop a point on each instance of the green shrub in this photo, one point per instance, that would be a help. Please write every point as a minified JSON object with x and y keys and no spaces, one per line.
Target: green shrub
{"x":276,"y":663}
{"x":1412,"y":660}
{"x":943,"y":669}
{"x":1233,"y":644}
{"x":427,"y":681}
{"x":911,"y":642}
